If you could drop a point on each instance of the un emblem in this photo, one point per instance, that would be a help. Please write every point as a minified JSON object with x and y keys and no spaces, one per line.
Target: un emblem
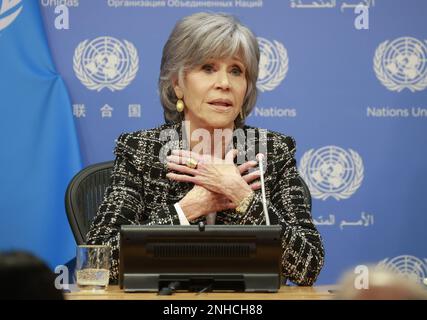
{"x":105,"y":62}
{"x":273,"y":64}
{"x":9,"y":17}
{"x":408,"y":266}
{"x":402,"y":63}
{"x":332,"y":172}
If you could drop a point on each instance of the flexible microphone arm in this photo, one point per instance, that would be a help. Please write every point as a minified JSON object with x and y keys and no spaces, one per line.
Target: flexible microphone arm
{"x":260,"y":158}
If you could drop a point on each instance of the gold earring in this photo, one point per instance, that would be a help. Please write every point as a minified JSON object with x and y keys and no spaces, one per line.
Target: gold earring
{"x":241,"y":114}
{"x":180,"y":105}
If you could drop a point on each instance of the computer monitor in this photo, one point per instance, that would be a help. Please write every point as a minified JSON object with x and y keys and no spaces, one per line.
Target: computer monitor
{"x":217,"y":257}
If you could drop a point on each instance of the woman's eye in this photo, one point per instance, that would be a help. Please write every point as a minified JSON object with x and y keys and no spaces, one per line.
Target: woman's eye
{"x":236,"y":71}
{"x":208,"y":67}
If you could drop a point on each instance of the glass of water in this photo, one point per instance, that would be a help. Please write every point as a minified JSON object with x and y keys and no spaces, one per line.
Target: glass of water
{"x":93,"y":267}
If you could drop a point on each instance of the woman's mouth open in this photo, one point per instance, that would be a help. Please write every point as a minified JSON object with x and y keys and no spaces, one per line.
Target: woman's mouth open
{"x":221,"y":104}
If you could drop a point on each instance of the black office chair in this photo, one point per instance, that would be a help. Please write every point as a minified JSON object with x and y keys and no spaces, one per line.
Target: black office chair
{"x":84,"y":194}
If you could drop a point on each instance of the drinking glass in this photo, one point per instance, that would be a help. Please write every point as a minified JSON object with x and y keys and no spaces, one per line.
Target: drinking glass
{"x":93,"y":267}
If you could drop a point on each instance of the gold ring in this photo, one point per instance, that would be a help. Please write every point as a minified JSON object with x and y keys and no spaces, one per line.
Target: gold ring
{"x":192,"y":163}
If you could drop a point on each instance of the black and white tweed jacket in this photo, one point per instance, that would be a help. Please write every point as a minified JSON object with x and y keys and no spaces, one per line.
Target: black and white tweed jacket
{"x":140,"y":193}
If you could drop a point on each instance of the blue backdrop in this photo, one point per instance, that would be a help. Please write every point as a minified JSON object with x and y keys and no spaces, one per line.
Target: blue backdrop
{"x":348,"y":82}
{"x":39,"y":148}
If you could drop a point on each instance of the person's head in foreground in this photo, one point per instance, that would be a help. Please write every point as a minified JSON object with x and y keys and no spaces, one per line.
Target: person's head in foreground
{"x":380,"y":284}
{"x":23,"y":276}
{"x":207,"y":87}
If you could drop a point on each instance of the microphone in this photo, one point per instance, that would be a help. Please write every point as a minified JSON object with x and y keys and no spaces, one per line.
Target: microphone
{"x":260,"y":158}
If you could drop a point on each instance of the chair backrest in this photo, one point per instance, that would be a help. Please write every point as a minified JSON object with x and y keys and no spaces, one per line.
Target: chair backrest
{"x":84,"y":194}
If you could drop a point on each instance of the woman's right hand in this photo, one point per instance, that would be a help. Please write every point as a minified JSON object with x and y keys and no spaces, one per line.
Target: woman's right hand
{"x":200,"y":201}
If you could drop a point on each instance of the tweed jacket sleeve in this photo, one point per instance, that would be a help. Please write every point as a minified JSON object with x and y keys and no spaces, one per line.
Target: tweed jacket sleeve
{"x":302,"y":249}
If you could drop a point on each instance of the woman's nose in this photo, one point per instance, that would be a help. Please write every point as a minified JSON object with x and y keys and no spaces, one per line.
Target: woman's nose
{"x":222,"y":81}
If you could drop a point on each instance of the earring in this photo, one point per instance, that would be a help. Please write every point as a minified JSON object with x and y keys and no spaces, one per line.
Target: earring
{"x":241,"y":114}
{"x":180,"y":105}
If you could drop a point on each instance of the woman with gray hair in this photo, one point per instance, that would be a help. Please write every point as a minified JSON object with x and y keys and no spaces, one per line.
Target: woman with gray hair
{"x":200,"y":165}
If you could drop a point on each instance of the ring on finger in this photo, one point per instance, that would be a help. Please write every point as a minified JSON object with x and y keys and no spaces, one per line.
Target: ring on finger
{"x":192,"y":163}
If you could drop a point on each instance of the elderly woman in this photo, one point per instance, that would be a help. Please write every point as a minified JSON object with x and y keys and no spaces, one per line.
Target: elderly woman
{"x":207,"y":87}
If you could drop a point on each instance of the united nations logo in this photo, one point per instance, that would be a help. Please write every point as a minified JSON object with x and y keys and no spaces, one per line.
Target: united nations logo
{"x":8,"y":5}
{"x":402,"y":63}
{"x":332,"y":172}
{"x":273,"y":64}
{"x":105,"y":62}
{"x":408,"y":266}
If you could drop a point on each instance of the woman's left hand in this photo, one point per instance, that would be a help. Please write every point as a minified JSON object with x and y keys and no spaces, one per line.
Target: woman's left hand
{"x":215,"y":174}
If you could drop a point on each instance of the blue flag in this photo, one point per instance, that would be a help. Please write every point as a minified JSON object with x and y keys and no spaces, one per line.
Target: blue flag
{"x":39,"y":147}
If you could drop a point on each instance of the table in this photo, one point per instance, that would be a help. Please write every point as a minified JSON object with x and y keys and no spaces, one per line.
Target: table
{"x":285,"y":293}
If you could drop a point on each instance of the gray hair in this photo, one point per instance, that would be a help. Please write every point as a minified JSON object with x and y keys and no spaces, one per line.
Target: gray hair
{"x":197,"y":38}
